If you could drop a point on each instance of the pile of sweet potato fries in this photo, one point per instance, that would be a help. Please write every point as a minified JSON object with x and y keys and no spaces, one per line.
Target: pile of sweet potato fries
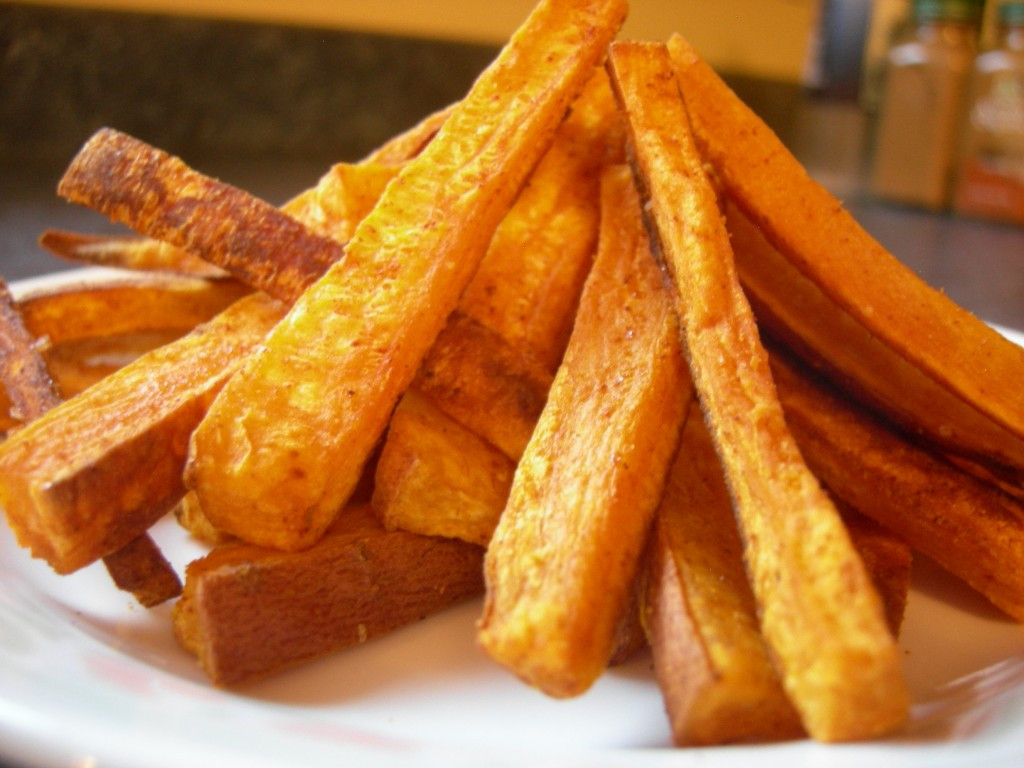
{"x":589,"y":343}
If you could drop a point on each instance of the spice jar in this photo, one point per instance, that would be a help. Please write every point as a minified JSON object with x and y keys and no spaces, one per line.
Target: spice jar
{"x":991,"y":176}
{"x":920,"y":111}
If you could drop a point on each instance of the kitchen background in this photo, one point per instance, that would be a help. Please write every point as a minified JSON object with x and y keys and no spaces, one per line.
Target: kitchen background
{"x":266,"y":95}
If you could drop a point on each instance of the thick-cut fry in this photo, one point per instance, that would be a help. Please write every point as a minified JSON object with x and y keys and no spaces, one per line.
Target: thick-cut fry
{"x":134,"y":183}
{"x":437,"y":478}
{"x":75,"y":311}
{"x":969,"y":527}
{"x":96,"y":471}
{"x":478,"y":379}
{"x":560,"y":565}
{"x":827,"y":247}
{"x":715,"y":672}
{"x":126,"y":252}
{"x":819,"y":612}
{"x":311,"y":404}
{"x":23,"y":372}
{"x":139,"y":567}
{"x":248,"y":611}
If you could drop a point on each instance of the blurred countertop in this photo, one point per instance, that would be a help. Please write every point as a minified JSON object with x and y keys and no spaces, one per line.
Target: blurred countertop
{"x":269,"y":108}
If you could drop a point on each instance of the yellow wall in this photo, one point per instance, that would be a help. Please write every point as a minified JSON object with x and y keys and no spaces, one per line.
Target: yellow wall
{"x":759,"y":37}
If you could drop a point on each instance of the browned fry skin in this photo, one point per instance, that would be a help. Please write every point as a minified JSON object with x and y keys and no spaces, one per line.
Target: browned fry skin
{"x":437,"y":478}
{"x":98,"y":470}
{"x":159,"y":196}
{"x":825,"y":246}
{"x":716,"y":674}
{"x":481,"y":381}
{"x":25,"y":377}
{"x":139,"y":567}
{"x":247,"y":612}
{"x":969,"y":527}
{"x":820,"y":613}
{"x":357,"y":336}
{"x":76,"y":311}
{"x":888,"y":558}
{"x":126,"y":252}
{"x":562,"y":560}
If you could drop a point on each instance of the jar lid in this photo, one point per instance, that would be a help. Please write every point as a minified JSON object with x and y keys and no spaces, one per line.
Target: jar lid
{"x":1011,"y":13}
{"x":953,"y":10}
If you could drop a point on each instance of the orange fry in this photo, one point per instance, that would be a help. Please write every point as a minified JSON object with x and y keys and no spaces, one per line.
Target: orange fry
{"x":561,"y":563}
{"x":819,"y":611}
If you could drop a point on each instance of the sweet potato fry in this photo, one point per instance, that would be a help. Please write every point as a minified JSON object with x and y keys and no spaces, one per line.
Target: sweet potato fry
{"x":437,"y":478}
{"x":126,"y":252}
{"x":75,"y":311}
{"x":820,"y":614}
{"x":560,"y":565}
{"x":95,"y":472}
{"x":715,"y":672}
{"x":247,"y":611}
{"x":825,"y":246}
{"x":136,"y":184}
{"x":485,"y":384}
{"x":968,"y":526}
{"x":355,"y":338}
{"x":139,"y":567}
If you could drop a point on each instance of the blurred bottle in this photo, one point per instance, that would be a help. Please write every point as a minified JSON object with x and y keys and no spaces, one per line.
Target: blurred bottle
{"x":921,"y":103}
{"x":991,"y":174}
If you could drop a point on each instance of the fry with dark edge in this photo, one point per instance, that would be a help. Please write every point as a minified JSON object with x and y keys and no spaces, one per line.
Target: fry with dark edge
{"x":161,"y":196}
{"x":91,"y":474}
{"x":971,"y":528}
{"x":284,"y":443}
{"x":973,"y":373}
{"x":820,"y":613}
{"x":715,"y":672}
{"x":139,"y":567}
{"x":126,"y":252}
{"x":561,"y":562}
{"x":247,"y":612}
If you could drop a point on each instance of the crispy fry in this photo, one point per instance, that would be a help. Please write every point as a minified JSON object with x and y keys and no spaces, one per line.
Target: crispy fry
{"x":819,"y":612}
{"x":437,"y":478}
{"x":136,"y":184}
{"x":75,"y":310}
{"x":23,"y":371}
{"x":93,"y":473}
{"x":481,"y":381}
{"x":126,"y":252}
{"x":356,"y":338}
{"x":825,"y":246}
{"x":247,"y":611}
{"x":561,"y":562}
{"x":139,"y":567}
{"x":966,"y":525}
{"x":715,"y":672}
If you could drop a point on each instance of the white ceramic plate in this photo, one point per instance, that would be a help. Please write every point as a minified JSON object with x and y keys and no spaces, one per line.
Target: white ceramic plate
{"x":87,"y":678}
